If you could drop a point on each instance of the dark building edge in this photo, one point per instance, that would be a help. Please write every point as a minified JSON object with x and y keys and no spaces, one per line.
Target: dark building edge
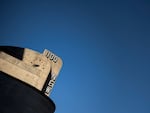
{"x":19,"y":97}
{"x":16,"y":52}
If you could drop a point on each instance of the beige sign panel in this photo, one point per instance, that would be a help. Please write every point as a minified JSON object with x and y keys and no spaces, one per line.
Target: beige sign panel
{"x":34,"y":69}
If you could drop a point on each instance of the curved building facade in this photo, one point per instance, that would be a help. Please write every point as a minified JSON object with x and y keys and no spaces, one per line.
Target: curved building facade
{"x":26,"y":80}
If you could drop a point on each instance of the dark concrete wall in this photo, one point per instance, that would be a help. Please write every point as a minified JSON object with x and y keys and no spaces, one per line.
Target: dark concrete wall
{"x":18,"y":97}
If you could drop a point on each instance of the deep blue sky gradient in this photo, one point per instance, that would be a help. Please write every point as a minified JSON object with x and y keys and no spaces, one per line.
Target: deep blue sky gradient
{"x":105,"y":47}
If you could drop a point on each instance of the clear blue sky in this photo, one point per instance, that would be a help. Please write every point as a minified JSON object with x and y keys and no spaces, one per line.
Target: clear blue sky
{"x":105,"y":47}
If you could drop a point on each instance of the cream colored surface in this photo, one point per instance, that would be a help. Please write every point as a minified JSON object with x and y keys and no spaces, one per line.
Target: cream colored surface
{"x":33,"y":69}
